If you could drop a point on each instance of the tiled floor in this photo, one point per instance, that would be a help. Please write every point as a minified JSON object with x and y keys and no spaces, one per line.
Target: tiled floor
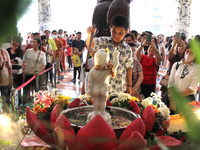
{"x":66,"y":87}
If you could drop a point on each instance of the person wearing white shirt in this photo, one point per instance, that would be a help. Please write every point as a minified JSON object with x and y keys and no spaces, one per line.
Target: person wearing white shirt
{"x":184,"y":77}
{"x":34,"y":60}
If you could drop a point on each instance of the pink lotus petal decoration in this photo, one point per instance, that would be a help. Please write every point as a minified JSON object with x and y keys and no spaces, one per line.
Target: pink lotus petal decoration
{"x":75,"y":103}
{"x":65,"y":139}
{"x":98,"y":135}
{"x":137,"y":125}
{"x":148,"y":117}
{"x":168,"y":141}
{"x":55,"y":114}
{"x":63,"y":123}
{"x":135,"y":107}
{"x":40,"y":127}
{"x":135,"y":142}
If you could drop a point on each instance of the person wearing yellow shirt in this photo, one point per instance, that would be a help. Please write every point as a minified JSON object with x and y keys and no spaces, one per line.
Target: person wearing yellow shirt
{"x":76,"y":63}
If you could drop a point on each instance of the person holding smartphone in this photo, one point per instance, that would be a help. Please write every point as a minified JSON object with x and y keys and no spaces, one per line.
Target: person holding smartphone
{"x":176,"y":53}
{"x":150,"y":63}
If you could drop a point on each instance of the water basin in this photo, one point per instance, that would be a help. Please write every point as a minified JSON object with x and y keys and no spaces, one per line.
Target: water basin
{"x":77,"y":117}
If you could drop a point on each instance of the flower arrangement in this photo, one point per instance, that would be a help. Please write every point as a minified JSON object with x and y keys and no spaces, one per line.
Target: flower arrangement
{"x":86,"y":99}
{"x":45,"y":101}
{"x":162,"y":112}
{"x":138,"y":129}
{"x":122,"y":99}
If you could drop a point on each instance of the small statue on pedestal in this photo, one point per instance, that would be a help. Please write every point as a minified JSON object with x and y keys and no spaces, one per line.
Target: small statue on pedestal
{"x":98,"y":86}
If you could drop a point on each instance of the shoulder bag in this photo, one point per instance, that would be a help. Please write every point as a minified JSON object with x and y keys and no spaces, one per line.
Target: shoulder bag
{"x":33,"y":69}
{"x":165,"y":78}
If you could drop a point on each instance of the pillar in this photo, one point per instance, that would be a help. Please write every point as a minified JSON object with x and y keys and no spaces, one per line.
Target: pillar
{"x":184,"y":13}
{"x":44,"y":15}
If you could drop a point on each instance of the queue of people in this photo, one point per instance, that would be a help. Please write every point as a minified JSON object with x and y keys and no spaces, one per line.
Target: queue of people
{"x":141,"y":56}
{"x":18,"y":64}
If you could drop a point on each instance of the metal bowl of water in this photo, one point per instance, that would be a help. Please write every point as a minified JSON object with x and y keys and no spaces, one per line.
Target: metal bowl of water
{"x":77,"y":116}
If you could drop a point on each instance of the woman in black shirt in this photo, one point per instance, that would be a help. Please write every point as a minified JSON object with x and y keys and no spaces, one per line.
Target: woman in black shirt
{"x":16,"y":56}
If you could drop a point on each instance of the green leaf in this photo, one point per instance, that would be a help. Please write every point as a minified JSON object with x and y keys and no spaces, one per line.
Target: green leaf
{"x":10,"y":12}
{"x":196,"y":50}
{"x":191,"y":119}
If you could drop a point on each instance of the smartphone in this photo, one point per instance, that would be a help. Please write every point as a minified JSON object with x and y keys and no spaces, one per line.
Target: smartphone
{"x":148,"y":38}
{"x":177,"y":35}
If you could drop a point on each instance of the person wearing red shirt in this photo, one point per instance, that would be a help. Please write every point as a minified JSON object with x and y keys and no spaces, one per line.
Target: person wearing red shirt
{"x":35,"y":35}
{"x":149,"y":63}
{"x":57,"y":53}
{"x":69,"y":54}
{"x":60,"y":37}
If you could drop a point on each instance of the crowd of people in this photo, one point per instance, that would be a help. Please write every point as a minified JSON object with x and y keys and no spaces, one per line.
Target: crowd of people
{"x":141,"y":56}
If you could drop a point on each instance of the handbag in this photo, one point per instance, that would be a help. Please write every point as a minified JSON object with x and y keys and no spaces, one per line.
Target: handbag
{"x":164,"y":80}
{"x":166,"y":100}
{"x":33,"y":68}
{"x":1,"y":67}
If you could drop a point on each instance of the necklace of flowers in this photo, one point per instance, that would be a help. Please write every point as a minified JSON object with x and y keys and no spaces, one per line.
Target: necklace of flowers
{"x":109,"y":66}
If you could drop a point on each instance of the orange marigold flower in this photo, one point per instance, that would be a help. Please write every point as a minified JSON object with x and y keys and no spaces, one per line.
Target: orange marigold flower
{"x":153,"y":106}
{"x":43,"y":110}
{"x":36,"y":109}
{"x":156,"y":111}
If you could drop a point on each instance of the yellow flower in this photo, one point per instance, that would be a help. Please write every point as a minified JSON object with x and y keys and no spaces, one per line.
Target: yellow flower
{"x":108,"y":96}
{"x":63,"y":100}
{"x":107,"y":51}
{"x":133,"y":98}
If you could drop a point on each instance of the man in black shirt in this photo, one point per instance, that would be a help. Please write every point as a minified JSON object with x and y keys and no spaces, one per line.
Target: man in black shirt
{"x":79,"y":44}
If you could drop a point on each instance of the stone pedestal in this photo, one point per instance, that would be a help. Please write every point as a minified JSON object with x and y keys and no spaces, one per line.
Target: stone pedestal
{"x":44,"y":15}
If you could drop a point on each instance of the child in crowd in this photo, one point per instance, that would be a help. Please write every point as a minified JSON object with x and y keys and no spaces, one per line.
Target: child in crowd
{"x":69,"y":54}
{"x":118,"y":28}
{"x":84,"y":74}
{"x":76,"y":63}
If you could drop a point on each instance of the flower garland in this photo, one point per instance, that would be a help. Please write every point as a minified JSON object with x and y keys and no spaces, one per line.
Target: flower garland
{"x":106,"y":67}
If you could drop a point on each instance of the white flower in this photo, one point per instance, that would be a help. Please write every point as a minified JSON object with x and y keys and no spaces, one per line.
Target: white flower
{"x":153,"y":94}
{"x":81,"y":96}
{"x":124,"y":96}
{"x":150,"y":99}
{"x":164,"y":111}
{"x":146,"y":102}
{"x":114,"y":100}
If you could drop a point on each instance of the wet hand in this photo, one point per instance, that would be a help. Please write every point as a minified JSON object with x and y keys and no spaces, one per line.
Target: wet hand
{"x":129,"y":90}
{"x":91,"y":29}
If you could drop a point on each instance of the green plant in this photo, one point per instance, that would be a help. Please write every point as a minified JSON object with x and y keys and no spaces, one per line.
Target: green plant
{"x":10,"y":12}
{"x":182,"y":105}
